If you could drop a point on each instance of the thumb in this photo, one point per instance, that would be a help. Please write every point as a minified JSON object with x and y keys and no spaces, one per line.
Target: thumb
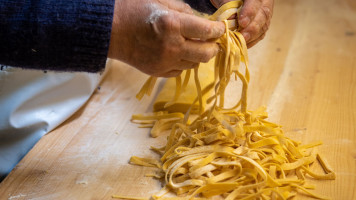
{"x":194,"y":27}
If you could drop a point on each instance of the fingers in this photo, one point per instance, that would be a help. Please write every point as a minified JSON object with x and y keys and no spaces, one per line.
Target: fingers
{"x":254,"y":42}
{"x":184,"y":64}
{"x":194,"y":27}
{"x":177,"y":5}
{"x":197,"y":51}
{"x":179,"y":40}
{"x":248,"y":12}
{"x":254,"y":29}
{"x":172,"y":73}
{"x":173,"y":70}
{"x":254,"y":19}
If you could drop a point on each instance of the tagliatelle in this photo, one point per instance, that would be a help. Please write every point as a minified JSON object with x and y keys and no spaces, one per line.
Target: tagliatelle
{"x":225,"y":152}
{"x":183,"y":100}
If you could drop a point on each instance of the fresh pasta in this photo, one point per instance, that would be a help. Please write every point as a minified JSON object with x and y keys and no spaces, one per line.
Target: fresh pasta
{"x":231,"y":153}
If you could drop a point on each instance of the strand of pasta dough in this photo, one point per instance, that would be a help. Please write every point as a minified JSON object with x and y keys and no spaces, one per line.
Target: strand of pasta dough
{"x":234,"y":154}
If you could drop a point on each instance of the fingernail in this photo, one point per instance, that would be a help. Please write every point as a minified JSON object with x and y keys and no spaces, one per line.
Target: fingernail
{"x":246,"y":36}
{"x":244,"y":21}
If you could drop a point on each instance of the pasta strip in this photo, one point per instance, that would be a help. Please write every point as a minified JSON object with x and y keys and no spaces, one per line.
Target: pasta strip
{"x":231,"y":153}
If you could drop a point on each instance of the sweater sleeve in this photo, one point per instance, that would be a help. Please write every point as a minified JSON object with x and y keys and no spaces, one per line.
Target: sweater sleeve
{"x":61,"y":35}
{"x":202,"y":6}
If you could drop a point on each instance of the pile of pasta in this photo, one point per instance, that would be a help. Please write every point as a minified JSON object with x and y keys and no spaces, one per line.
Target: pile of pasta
{"x":218,"y":152}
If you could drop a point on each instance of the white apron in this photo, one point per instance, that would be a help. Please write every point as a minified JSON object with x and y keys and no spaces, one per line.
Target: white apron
{"x":32,"y":103}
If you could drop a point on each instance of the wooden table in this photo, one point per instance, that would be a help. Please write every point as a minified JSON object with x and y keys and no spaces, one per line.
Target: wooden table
{"x":304,"y":71}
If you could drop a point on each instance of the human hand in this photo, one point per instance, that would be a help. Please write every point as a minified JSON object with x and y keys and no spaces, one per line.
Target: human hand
{"x":162,"y":37}
{"x":254,"y":18}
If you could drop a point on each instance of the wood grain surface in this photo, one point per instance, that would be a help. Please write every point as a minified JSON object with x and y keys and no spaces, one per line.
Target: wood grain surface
{"x":304,"y":71}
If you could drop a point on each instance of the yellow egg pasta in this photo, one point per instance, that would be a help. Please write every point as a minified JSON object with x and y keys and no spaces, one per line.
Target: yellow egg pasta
{"x":183,"y":97}
{"x":228,"y":153}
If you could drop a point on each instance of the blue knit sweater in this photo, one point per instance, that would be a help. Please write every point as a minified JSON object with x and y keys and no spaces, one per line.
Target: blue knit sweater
{"x":67,"y":35}
{"x":62,"y":35}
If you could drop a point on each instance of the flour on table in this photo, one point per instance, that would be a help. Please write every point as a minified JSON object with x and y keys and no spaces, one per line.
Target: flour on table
{"x":17,"y":196}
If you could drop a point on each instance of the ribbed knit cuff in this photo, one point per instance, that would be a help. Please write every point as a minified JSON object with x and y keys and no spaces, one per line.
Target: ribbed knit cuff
{"x":93,"y":36}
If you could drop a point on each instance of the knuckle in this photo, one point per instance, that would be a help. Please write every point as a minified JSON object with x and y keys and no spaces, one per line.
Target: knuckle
{"x":249,"y":11}
{"x":254,"y":29}
{"x":165,"y":23}
{"x":186,"y":7}
{"x":208,"y":30}
{"x":267,"y":12}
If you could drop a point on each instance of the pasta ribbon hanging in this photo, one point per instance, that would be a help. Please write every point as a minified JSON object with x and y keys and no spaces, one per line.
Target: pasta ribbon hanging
{"x":232,"y":153}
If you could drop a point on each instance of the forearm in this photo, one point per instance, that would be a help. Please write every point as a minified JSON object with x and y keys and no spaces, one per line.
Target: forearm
{"x":202,"y":6}
{"x":67,"y":35}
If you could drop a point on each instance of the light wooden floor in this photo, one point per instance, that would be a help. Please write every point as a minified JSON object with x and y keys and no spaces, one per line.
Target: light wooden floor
{"x":304,"y":71}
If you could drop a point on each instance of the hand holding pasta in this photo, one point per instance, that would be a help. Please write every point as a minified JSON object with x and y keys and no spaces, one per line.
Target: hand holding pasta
{"x":162,"y":38}
{"x":224,"y":153}
{"x":254,"y":19}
